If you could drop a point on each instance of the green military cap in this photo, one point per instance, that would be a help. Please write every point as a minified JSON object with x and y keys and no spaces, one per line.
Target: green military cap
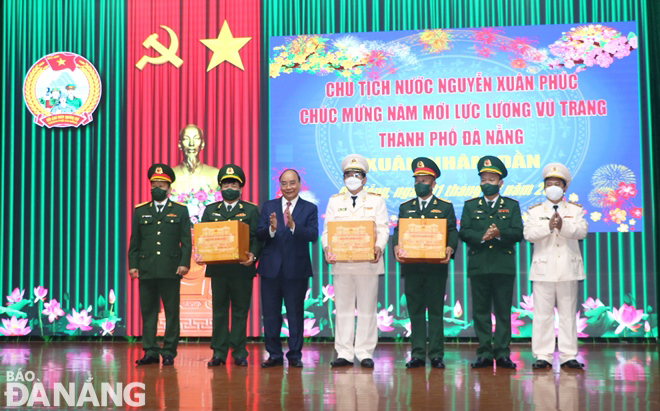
{"x":492,"y":164}
{"x":161,"y":172}
{"x":424,"y":166}
{"x":231,"y":171}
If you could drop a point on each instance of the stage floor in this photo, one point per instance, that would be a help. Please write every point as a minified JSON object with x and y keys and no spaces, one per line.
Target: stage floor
{"x":617,"y":377}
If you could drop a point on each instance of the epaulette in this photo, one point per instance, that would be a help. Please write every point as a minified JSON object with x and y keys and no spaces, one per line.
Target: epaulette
{"x":181,"y":204}
{"x":473,"y":199}
{"x":535,"y":205}
{"x":141,"y":204}
{"x":247,"y":202}
{"x":412,"y":199}
{"x":337,"y":195}
{"x":373,"y":194}
{"x":444,"y":199}
{"x":575,"y":204}
{"x":509,"y":198}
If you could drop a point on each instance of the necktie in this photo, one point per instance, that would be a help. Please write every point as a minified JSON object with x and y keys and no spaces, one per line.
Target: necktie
{"x":422,"y":204}
{"x":354,"y":198}
{"x":229,"y":207}
{"x":490,"y":203}
{"x":286,"y":211}
{"x":159,"y":208}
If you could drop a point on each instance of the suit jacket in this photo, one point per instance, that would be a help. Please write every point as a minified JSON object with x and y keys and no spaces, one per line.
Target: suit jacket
{"x":557,"y":254}
{"x":436,"y":208}
{"x":242,"y":211}
{"x":286,"y":251}
{"x":367,"y":207}
{"x":160,"y":242}
{"x":493,"y":256}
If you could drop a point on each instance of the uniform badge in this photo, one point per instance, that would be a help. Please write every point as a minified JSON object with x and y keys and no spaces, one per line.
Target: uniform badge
{"x":62,"y":90}
{"x":544,"y":218}
{"x":354,"y":160}
{"x":230,"y":170}
{"x":568,"y":216}
{"x":503,"y":210}
{"x":420,"y":164}
{"x":147,"y":216}
{"x":487,"y":163}
{"x":368,"y":208}
{"x":240,"y":215}
{"x":478,"y":211}
{"x":436,"y":211}
{"x":217,"y":214}
{"x":171,"y":215}
{"x":159,"y":170}
{"x":342,"y":209}
{"x":412,"y":211}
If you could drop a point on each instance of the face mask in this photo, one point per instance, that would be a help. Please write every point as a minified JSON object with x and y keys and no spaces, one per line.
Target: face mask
{"x":158,"y":194}
{"x":353,"y":183}
{"x":490,"y":189}
{"x":422,"y":190}
{"x":230,"y":194}
{"x":554,"y":193}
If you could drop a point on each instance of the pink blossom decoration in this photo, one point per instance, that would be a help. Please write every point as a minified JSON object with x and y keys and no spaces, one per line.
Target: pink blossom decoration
{"x":385,"y":320}
{"x":80,"y":321}
{"x":40,"y":293}
{"x":53,"y":310}
{"x":528,"y":302}
{"x":328,"y":292}
{"x":14,"y":327}
{"x":458,"y":310}
{"x":592,"y":304}
{"x":627,"y":317}
{"x":108,"y":327}
{"x":112,"y":297}
{"x":15,"y":297}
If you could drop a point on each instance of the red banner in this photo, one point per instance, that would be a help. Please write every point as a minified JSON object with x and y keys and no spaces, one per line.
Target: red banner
{"x":183,"y":68}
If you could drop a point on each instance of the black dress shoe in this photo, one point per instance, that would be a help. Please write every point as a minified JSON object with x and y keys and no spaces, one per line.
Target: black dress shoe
{"x":573,"y":364}
{"x":146,"y":360}
{"x":341,"y":362}
{"x":241,"y":362}
{"x":216,"y":361}
{"x":482,"y":363}
{"x":415,"y":363}
{"x":295,"y":363}
{"x":168,"y":360}
{"x":367,"y":363}
{"x":272,"y":362}
{"x":505,"y":362}
{"x":437,"y":363}
{"x":541,"y":365}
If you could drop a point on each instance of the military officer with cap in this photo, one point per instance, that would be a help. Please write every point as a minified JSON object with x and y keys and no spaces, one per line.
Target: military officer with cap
{"x":71,"y":98}
{"x":159,"y":255}
{"x":425,"y":282}
{"x":491,"y":226}
{"x":231,"y":284}
{"x":356,"y":284}
{"x":555,"y":227}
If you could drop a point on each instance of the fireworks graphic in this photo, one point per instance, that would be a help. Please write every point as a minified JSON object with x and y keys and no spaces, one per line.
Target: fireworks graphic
{"x":598,"y":197}
{"x":609,"y":176}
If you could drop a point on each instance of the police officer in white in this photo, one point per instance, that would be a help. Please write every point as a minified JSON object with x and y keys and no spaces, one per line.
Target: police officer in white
{"x":554,"y":227}
{"x":356,"y":284}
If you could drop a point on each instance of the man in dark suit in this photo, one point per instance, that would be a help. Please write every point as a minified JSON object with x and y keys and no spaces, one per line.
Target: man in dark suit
{"x":287,"y":225}
{"x":231,"y":284}
{"x":159,"y":255}
{"x":491,"y":226}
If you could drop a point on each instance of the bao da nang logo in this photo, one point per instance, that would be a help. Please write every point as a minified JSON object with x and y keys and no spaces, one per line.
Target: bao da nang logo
{"x":62,"y":90}
{"x":24,"y":389}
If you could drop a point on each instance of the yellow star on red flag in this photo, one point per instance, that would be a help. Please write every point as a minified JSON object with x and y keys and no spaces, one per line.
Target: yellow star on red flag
{"x":225,"y":48}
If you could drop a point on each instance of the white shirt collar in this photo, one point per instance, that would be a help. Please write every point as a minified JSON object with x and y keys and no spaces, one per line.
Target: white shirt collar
{"x":496,"y":199}
{"x":293,"y":202}
{"x":160,"y":203}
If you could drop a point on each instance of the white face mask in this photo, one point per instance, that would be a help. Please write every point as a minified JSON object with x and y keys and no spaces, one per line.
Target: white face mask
{"x":554,"y":193}
{"x":353,"y":183}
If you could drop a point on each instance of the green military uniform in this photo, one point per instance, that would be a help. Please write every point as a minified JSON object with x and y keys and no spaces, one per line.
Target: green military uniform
{"x":492,"y":264}
{"x":231,"y":284}
{"x":160,"y":243}
{"x":424,"y":282}
{"x":74,"y":101}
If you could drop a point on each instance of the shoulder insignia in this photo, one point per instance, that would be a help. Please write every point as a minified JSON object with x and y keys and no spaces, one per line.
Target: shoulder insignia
{"x":444,"y":199}
{"x":535,"y":205}
{"x":472,"y":199}
{"x":182,"y":205}
{"x":373,"y":194}
{"x":141,"y":204}
{"x":575,"y":204}
{"x":247,"y":202}
{"x":337,"y":195}
{"x":407,"y":201}
{"x":512,"y":199}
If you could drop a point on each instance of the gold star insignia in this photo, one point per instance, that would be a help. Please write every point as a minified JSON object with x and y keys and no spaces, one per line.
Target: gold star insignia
{"x":61,"y":61}
{"x":225,"y":48}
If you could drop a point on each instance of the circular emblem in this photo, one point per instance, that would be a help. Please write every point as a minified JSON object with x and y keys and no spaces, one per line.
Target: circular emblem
{"x":159,"y":170}
{"x":230,"y":170}
{"x":62,"y":90}
{"x":554,"y":169}
{"x":420,"y":164}
{"x":487,"y":163}
{"x":354,"y":160}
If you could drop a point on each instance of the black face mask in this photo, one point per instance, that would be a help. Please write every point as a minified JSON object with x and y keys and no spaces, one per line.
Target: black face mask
{"x":158,"y":194}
